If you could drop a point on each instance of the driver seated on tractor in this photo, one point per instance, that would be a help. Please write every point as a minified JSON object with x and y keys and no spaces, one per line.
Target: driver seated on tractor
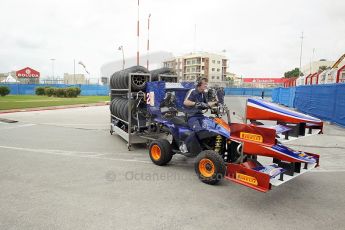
{"x":196,"y":101}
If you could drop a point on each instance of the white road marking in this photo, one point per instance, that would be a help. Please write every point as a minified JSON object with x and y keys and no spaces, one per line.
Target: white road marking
{"x":18,"y":126}
{"x":75,"y":154}
{"x":327,"y":170}
{"x":94,"y":155}
{"x":57,"y":124}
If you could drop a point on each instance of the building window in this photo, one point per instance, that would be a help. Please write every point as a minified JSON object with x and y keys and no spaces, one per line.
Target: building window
{"x":213,"y":61}
{"x":218,"y":62}
{"x":203,"y":67}
{"x":213,"y":69}
{"x":212,"y":77}
{"x":193,"y":69}
{"x":217,"y":77}
{"x":218,"y":70}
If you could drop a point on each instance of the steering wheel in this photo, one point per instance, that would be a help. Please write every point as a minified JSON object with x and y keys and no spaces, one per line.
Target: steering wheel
{"x":203,"y":111}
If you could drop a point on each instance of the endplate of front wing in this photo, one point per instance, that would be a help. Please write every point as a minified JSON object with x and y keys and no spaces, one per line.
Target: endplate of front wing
{"x":262,"y":181}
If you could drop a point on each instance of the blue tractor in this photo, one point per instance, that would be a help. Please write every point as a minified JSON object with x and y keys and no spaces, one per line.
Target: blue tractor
{"x":203,"y":137}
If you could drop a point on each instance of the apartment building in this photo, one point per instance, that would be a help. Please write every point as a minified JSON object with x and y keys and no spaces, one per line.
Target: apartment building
{"x":191,"y":66}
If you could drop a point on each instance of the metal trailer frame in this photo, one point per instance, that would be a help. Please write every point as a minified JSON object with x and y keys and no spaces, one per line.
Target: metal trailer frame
{"x":131,"y":136}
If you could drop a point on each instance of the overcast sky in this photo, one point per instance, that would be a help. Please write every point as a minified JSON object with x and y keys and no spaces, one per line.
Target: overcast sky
{"x":261,"y":38}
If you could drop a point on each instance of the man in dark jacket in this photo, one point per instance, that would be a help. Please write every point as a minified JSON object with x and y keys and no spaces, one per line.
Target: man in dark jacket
{"x":196,"y":101}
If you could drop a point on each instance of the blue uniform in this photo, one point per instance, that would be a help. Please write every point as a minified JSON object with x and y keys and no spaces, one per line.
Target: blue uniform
{"x":195,"y":96}
{"x":195,"y":115}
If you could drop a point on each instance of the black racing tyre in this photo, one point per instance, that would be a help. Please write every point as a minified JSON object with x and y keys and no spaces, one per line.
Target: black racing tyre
{"x":124,"y":111}
{"x":120,"y":108}
{"x":210,"y":167}
{"x":119,"y":80}
{"x":113,"y":104}
{"x":160,"y":152}
{"x":138,"y":82}
{"x":111,"y":107}
{"x":123,"y":82}
{"x":111,"y":81}
{"x":115,"y":78}
{"x":118,"y":83}
{"x":165,"y":70}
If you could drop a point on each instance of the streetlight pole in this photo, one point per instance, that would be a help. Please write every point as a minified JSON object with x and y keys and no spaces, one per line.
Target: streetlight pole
{"x":148,"y":40}
{"x":74,"y":71}
{"x":83,"y":65}
{"x":123,"y":57}
{"x":52,"y":59}
{"x":312,"y":60}
{"x":300,"y":57}
{"x":138,"y":36}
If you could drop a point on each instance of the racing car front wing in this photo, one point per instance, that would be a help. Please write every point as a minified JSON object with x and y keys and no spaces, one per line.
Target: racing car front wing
{"x":261,"y":177}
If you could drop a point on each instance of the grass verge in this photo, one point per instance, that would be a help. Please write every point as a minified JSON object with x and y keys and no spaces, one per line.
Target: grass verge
{"x":32,"y":101}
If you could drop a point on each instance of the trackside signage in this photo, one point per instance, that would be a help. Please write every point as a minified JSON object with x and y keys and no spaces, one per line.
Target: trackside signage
{"x":251,"y":137}
{"x":27,"y":73}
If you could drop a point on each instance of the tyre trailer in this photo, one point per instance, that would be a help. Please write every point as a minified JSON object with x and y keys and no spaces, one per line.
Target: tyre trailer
{"x":128,"y":130}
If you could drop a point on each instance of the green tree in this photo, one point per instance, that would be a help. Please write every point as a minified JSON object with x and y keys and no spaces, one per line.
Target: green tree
{"x":230,"y":80}
{"x":322,"y":68}
{"x":292,"y":73}
{"x":4,"y":90}
{"x":39,"y":91}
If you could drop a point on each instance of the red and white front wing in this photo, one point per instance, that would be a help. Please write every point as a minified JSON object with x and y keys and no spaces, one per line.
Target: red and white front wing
{"x":260,"y":142}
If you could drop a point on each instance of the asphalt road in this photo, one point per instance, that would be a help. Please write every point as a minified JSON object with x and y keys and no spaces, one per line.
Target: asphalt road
{"x":62,"y":169}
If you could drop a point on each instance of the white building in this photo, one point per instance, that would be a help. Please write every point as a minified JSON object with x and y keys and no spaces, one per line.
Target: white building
{"x":314,"y":66}
{"x":191,"y":66}
{"x":312,"y":75}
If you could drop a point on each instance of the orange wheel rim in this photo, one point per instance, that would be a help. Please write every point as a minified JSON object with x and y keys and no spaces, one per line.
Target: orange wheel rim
{"x":206,"y":167}
{"x":156,"y":152}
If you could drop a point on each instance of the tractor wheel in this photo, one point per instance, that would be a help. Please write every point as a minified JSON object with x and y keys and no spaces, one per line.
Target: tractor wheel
{"x":160,"y":152}
{"x":210,"y":167}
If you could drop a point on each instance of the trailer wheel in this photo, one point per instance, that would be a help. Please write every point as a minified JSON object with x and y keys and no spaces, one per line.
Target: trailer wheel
{"x":160,"y":152}
{"x":210,"y":167}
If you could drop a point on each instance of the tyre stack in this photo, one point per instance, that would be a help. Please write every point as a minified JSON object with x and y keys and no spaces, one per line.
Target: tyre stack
{"x":120,"y":80}
{"x":166,"y":71}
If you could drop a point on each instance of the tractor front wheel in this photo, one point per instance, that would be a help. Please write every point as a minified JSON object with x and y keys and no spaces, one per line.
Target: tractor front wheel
{"x":160,"y":152}
{"x":210,"y":167}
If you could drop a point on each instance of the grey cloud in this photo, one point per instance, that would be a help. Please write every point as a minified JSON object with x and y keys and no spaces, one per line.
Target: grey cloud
{"x":29,"y":44}
{"x":261,"y":37}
